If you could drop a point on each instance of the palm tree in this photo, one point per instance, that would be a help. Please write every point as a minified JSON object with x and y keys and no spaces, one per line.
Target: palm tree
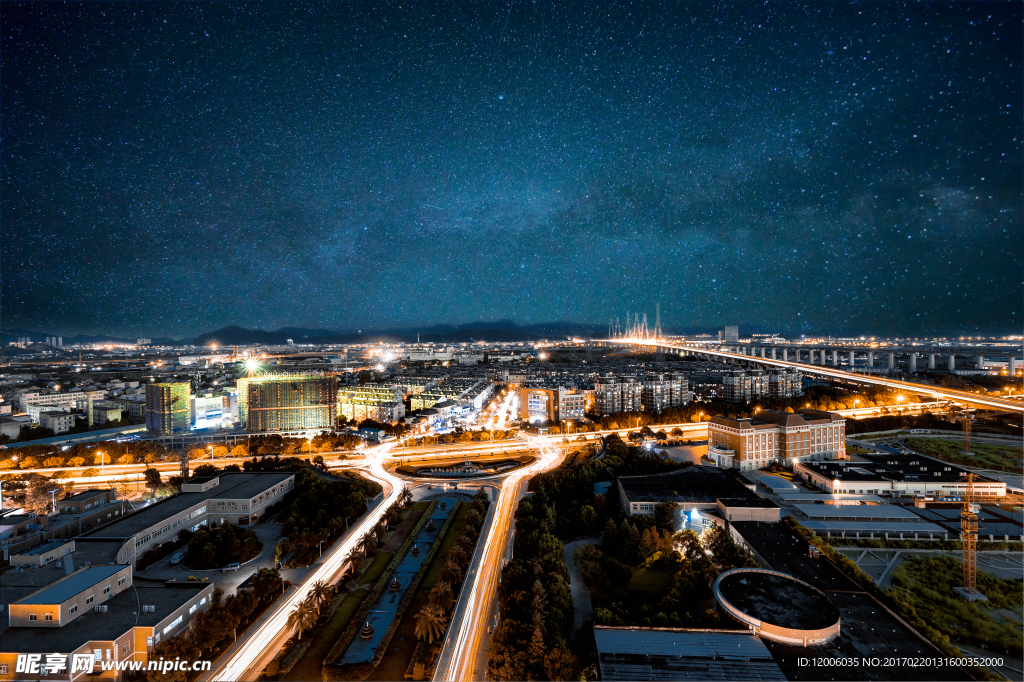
{"x":451,"y":572}
{"x":430,"y":623}
{"x":302,"y":618}
{"x":368,"y":543}
{"x":405,"y":496}
{"x":320,"y":593}
{"x":459,"y":554}
{"x":355,"y":559}
{"x":442,"y":596}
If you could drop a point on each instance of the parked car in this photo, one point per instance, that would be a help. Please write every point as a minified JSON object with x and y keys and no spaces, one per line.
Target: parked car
{"x":233,"y":566}
{"x":176,"y":558}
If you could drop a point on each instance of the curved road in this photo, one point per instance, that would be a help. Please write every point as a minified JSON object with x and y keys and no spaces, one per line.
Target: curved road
{"x":246,"y":662}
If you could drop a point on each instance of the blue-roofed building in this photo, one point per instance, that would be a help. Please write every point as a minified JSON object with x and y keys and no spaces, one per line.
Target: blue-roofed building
{"x":59,"y":603}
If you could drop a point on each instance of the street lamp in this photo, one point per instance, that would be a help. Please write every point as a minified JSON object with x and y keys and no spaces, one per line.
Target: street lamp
{"x":102,"y":460}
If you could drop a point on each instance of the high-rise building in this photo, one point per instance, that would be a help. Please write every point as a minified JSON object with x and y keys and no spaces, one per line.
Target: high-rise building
{"x":731,"y":333}
{"x":168,"y":407}
{"x":551,"y":404}
{"x":621,"y":394}
{"x":662,"y":391}
{"x":288,"y":402}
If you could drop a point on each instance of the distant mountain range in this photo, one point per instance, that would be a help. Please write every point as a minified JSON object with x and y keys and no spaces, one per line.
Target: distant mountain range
{"x":503,"y":330}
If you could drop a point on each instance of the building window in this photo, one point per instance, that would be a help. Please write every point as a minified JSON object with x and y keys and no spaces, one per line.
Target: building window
{"x":4,"y":669}
{"x":73,"y":609}
{"x":88,"y":600}
{"x":106,"y":590}
{"x":32,"y":616}
{"x":48,"y":616}
{"x":121,"y":581}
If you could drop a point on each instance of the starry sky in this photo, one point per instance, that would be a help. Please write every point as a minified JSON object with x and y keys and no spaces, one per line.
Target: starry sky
{"x":171,"y":168}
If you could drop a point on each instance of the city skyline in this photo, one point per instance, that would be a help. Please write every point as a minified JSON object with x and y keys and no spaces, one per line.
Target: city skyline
{"x":170,"y":170}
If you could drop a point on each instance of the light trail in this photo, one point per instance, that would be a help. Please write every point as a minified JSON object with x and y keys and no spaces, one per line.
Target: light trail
{"x":275,"y":627}
{"x":910,"y":387}
{"x":457,"y":660}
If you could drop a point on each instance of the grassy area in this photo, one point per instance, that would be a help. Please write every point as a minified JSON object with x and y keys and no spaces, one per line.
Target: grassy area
{"x":380,"y":562}
{"x":324,"y":637}
{"x":987,"y":455}
{"x":927,"y":585}
{"x":399,"y":653}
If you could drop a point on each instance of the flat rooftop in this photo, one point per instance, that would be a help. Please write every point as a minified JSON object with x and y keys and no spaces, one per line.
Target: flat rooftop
{"x":122,"y":611}
{"x":68,"y":587}
{"x":779,"y":600}
{"x":87,"y":494}
{"x":232,"y":486}
{"x":776,"y":484}
{"x":857,"y":512}
{"x":661,"y":654}
{"x":43,"y":548}
{"x":695,"y":484}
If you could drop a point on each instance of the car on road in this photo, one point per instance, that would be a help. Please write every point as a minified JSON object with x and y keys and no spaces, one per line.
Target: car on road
{"x":233,"y":566}
{"x":176,"y":558}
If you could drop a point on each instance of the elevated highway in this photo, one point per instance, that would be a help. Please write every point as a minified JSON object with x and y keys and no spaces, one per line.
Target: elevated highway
{"x":937,"y":392}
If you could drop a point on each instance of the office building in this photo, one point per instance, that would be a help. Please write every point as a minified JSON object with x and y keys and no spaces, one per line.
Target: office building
{"x":288,"y":402}
{"x":731,"y":334}
{"x":774,"y":437}
{"x":897,"y":475}
{"x":167,"y":408}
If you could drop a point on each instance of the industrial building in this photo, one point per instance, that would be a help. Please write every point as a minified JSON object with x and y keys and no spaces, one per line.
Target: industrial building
{"x":711,"y":491}
{"x":167,"y":408}
{"x":635,"y":653}
{"x":897,"y":475}
{"x":775,"y":437}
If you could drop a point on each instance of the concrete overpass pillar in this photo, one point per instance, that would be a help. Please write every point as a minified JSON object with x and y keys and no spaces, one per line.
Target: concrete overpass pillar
{"x":952,"y":362}
{"x":810,"y":356}
{"x":912,"y":363}
{"x":871,"y":359}
{"x":981,"y":362}
{"x":785,"y":355}
{"x":773,"y":352}
{"x":851,"y":359}
{"x":931,"y":361}
{"x":1012,"y":366}
{"x":835,"y":358}
{"x":822,"y":360}
{"x":892,"y":361}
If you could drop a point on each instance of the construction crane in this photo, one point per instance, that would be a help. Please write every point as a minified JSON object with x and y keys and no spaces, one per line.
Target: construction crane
{"x":969,"y":537}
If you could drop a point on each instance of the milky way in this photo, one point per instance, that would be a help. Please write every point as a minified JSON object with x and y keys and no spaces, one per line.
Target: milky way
{"x":171,"y":168}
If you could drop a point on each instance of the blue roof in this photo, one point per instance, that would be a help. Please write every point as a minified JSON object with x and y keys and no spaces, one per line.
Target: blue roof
{"x":65,"y":589}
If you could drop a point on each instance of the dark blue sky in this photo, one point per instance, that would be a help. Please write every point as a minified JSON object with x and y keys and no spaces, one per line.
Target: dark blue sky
{"x":171,"y":168}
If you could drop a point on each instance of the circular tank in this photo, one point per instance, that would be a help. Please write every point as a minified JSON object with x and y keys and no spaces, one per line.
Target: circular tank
{"x":778,"y":606}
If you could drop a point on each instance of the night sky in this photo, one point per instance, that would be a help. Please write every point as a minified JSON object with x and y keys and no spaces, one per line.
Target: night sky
{"x":172,"y":168}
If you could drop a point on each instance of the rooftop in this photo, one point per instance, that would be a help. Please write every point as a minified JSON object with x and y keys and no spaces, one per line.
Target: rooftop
{"x":232,"y":486}
{"x":778,"y":599}
{"x":662,"y":654}
{"x":695,"y":484}
{"x":67,"y":587}
{"x":777,"y":484}
{"x":857,"y":512}
{"x":122,"y":611}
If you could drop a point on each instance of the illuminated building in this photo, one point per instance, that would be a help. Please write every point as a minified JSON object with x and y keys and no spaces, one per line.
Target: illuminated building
{"x":379,"y":403}
{"x":167,"y":408}
{"x":288,"y":402}
{"x":755,"y":443}
{"x":551,"y":404}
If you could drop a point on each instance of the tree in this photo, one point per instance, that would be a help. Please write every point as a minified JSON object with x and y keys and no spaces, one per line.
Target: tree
{"x":76,"y":461}
{"x":664,"y":515}
{"x":53,"y":462}
{"x":430,"y":623}
{"x":588,"y":516}
{"x":459,"y":555}
{"x":204,"y":470}
{"x":442,"y":596}
{"x":153,"y":480}
{"x":405,"y":496}
{"x":450,"y":573}
{"x":302,"y":618}
{"x":320,"y":593}
{"x":126,"y":459}
{"x":196,"y":453}
{"x":240,"y":450}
